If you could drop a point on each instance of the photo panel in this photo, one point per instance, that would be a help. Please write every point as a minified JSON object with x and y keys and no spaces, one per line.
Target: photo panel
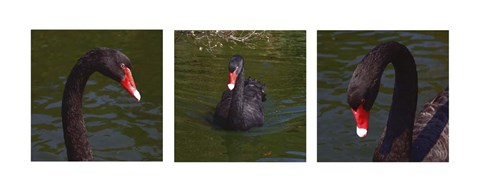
{"x":96,"y":95}
{"x":240,"y":96}
{"x":368,"y":104}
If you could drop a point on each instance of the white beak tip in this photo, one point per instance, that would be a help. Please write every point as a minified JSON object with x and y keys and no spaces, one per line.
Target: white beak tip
{"x":231,"y":86}
{"x":361,"y":132}
{"x":137,"y":96}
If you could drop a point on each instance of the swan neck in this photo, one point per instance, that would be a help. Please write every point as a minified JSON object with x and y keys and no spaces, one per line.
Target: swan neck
{"x":236,"y":117}
{"x":401,"y":118}
{"x":75,"y":133}
{"x":404,"y":99}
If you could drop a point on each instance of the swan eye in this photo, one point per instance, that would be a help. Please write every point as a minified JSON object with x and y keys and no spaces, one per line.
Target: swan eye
{"x":122,"y":66}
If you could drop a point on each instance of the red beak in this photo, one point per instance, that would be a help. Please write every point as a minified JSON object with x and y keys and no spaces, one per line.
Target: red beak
{"x":232,"y":79}
{"x":129,"y":85}
{"x":361,"y":116}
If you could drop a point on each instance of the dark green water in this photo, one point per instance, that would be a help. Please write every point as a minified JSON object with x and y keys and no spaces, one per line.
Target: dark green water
{"x":200,"y":79}
{"x":337,"y":56}
{"x":119,"y":128}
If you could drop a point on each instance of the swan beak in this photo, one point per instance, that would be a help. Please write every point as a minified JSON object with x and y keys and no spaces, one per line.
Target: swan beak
{"x":136,"y":94}
{"x":361,"y":117}
{"x":232,"y":79}
{"x":361,"y":132}
{"x":129,"y":84}
{"x":231,"y":86}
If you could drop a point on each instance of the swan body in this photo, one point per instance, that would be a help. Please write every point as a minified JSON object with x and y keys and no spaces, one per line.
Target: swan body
{"x":241,"y":105}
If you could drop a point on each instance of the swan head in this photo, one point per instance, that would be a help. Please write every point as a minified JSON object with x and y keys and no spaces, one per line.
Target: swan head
{"x":114,"y":64}
{"x":235,"y":68}
{"x":361,"y":97}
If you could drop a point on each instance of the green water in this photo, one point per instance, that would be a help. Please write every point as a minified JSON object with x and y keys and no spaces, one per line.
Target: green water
{"x":119,"y":128}
{"x":337,"y":56}
{"x":201,"y":77}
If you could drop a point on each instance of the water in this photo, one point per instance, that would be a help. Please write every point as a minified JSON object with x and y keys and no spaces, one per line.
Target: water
{"x":201,"y":76}
{"x":337,"y":56}
{"x":119,"y":128}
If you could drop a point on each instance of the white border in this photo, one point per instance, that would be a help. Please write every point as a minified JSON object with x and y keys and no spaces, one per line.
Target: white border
{"x":19,"y":174}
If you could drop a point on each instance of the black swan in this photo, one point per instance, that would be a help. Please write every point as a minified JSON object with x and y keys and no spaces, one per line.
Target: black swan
{"x":109,"y":62}
{"x":404,"y":139}
{"x":241,"y":107}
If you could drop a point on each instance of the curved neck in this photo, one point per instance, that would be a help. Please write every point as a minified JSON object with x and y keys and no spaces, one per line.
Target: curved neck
{"x":235,"y":118}
{"x":398,"y":135}
{"x":74,"y":132}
